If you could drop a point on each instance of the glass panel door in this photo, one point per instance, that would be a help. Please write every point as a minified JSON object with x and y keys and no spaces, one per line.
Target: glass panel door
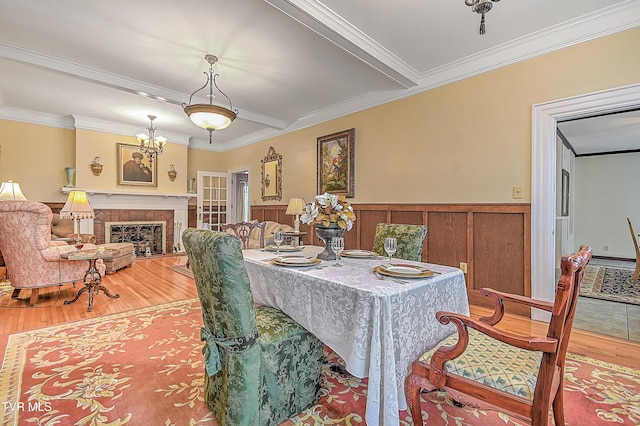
{"x":212,"y":200}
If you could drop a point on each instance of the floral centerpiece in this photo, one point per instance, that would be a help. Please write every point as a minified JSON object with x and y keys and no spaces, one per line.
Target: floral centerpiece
{"x":332,"y":215}
{"x":329,"y":208}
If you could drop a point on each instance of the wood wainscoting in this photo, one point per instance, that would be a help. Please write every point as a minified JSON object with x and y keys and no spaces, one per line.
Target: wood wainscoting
{"x":494,"y":240}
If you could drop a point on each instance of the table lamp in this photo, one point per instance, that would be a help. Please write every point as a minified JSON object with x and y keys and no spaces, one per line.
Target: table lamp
{"x":296,"y":207}
{"x":77,"y":208}
{"x":11,"y":191}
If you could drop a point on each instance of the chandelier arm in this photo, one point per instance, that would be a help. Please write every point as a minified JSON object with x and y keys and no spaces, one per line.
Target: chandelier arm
{"x":224,"y":94}
{"x":205,"y":85}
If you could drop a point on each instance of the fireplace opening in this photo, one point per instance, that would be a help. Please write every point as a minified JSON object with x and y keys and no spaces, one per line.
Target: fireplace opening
{"x":148,"y":238}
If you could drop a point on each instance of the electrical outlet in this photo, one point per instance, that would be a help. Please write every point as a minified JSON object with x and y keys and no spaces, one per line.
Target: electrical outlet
{"x":605,"y":248}
{"x":517,"y":192}
{"x":463,"y":267}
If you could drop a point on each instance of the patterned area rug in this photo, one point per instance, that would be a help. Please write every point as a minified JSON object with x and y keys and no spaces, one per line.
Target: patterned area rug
{"x":605,"y":282}
{"x":183,"y":270}
{"x":145,"y":368}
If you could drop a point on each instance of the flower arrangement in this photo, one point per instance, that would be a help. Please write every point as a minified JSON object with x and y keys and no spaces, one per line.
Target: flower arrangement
{"x":328,"y":208}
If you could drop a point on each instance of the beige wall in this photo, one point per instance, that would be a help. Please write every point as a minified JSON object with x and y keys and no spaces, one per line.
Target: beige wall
{"x":466,"y":142}
{"x":35,"y":157}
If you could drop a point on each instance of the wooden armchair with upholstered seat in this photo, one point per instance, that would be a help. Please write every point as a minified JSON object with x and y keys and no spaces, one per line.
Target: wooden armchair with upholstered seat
{"x":636,"y":274}
{"x":410,"y":239}
{"x":33,"y":260}
{"x":261,"y":367}
{"x":489,"y":368}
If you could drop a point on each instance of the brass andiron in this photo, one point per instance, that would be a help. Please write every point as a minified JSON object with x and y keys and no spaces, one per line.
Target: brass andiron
{"x":96,"y":167}
{"x":172,"y":173}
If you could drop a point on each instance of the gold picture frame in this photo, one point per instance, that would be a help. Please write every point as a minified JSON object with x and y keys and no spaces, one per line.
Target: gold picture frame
{"x":272,"y":176}
{"x":336,"y":159}
{"x":134,"y":168}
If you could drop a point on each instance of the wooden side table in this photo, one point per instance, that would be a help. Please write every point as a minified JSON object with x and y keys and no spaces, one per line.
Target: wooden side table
{"x":92,"y":278}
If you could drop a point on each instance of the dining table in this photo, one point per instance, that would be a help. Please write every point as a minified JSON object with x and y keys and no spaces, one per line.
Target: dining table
{"x":378,"y":324}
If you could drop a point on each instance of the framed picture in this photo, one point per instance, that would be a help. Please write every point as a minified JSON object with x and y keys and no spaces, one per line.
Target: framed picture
{"x":134,"y":168}
{"x":336,"y":163}
{"x":565,"y":193}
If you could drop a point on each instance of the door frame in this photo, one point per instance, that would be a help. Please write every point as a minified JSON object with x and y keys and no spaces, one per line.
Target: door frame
{"x":232,"y":213}
{"x":545,"y":117}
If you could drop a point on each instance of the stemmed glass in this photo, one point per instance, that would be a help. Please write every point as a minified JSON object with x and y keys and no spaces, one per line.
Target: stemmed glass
{"x":390,"y":246}
{"x":337,"y":244}
{"x":278,"y":238}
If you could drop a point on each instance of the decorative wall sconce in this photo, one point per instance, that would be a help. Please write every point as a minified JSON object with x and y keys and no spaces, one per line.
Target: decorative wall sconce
{"x":96,"y":167}
{"x":172,"y":173}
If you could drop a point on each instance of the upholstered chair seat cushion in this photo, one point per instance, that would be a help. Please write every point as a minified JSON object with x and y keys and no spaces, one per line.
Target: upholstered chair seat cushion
{"x":410,"y":238}
{"x":261,"y":366}
{"x":493,"y":363}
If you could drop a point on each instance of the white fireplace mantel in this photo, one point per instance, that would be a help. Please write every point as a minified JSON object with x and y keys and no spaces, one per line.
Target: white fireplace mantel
{"x":103,"y":199}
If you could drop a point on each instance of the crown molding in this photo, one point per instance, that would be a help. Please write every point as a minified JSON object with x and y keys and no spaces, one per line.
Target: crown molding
{"x":324,"y":21}
{"x":88,"y":123}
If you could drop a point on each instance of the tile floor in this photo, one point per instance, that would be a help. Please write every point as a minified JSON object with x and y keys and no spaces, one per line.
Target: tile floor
{"x":622,"y":319}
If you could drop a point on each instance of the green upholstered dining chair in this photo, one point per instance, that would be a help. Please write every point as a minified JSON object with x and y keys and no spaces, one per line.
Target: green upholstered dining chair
{"x":261,"y":367}
{"x":487,"y":367}
{"x":410,"y":238}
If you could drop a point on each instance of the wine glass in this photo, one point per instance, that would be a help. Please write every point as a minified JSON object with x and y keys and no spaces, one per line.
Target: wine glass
{"x":337,"y":244}
{"x":278,"y":238}
{"x":390,"y":246}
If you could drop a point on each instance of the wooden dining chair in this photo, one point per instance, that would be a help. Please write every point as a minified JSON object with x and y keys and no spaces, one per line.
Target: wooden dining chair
{"x":489,"y":368}
{"x":635,"y":246}
{"x":244,"y":231}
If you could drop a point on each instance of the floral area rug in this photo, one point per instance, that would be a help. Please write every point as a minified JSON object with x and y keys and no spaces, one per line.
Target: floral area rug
{"x":145,"y":368}
{"x":608,"y":283}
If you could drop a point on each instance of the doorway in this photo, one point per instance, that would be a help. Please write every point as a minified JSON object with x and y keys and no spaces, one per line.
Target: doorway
{"x":545,"y":117}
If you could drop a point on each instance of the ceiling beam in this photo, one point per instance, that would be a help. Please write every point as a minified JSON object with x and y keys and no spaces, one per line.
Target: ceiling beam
{"x":324,"y":21}
{"x":118,"y":82}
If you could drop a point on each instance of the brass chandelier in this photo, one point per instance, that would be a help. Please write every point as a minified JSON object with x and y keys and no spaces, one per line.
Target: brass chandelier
{"x":209,"y":116}
{"x":151,"y":145}
{"x":481,"y":7}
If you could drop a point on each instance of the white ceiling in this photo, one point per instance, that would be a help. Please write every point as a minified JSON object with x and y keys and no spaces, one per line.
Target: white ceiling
{"x":285,"y":64}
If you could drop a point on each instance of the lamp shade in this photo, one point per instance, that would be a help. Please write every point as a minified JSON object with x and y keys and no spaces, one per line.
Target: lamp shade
{"x":11,"y":191}
{"x":296,"y":206}
{"x":77,"y":207}
{"x":210,"y":117}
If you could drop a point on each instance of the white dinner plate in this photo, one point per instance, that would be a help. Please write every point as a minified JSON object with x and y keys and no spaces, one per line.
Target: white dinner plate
{"x":286,"y":248}
{"x":404,"y":270}
{"x":359,"y":253}
{"x":296,"y":261}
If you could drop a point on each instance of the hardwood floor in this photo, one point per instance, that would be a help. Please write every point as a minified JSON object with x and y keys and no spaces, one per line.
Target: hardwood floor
{"x":151,"y":282}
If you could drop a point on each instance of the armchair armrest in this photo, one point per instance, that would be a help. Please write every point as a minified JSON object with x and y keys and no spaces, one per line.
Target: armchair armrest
{"x":499,"y":297}
{"x":462,"y":322}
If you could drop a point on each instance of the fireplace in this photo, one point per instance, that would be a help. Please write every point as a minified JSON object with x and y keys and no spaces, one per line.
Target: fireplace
{"x":139,"y":207}
{"x":148,"y":238}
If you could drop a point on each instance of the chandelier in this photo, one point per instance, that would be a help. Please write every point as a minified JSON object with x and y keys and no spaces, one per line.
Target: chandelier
{"x":481,"y":7}
{"x":209,"y":116}
{"x":151,"y":145}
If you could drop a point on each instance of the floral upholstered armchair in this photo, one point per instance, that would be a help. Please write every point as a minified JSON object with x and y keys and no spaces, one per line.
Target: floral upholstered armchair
{"x":410,"y":238}
{"x":261,"y":367}
{"x":33,"y":261}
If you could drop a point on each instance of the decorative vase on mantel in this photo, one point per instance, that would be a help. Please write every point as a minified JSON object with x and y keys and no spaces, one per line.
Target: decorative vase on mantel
{"x":70,"y":171}
{"x":326,"y":233}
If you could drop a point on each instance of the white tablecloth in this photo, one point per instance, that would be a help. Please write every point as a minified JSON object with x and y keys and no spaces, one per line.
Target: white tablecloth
{"x":377,"y":326}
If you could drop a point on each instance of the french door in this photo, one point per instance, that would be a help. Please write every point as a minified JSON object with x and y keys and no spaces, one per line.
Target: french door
{"x":213,"y":199}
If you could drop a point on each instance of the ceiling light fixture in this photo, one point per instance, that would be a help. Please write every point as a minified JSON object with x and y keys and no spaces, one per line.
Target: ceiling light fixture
{"x":209,"y":116}
{"x":481,"y":7}
{"x":151,"y":145}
